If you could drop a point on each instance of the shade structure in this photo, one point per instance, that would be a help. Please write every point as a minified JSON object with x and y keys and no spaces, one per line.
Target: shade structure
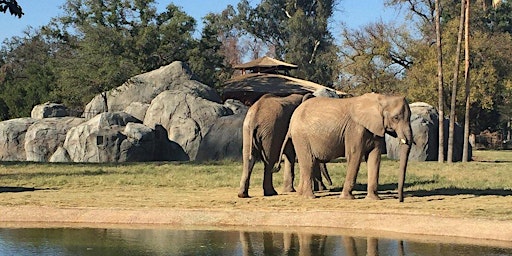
{"x":265,"y":65}
{"x":250,"y":87}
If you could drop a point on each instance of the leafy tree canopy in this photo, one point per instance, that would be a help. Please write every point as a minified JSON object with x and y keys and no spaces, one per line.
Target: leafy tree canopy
{"x":12,"y":6}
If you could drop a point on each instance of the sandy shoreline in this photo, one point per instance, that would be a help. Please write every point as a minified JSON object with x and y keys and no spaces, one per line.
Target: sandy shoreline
{"x":484,"y":231}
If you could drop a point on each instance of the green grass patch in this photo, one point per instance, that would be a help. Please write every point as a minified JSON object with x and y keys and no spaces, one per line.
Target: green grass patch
{"x":480,"y":188}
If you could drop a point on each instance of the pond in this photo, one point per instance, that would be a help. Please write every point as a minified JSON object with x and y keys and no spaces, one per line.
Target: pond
{"x":166,"y":241}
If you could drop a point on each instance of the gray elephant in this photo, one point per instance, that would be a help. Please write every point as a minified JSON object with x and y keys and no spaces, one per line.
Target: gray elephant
{"x":264,"y":130}
{"x":323,"y":129}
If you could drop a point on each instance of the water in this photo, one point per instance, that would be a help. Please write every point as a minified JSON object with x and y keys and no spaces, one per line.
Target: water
{"x":115,"y":241}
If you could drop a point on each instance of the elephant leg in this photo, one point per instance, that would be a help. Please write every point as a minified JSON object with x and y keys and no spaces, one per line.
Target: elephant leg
{"x":289,"y":166}
{"x":318,"y":184}
{"x":246,"y":177}
{"x":373,"y":163}
{"x":306,"y":169}
{"x":268,"y":185}
{"x":353,"y":163}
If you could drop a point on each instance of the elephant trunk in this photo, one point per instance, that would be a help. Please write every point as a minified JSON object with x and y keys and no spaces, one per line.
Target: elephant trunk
{"x":405,"y":148}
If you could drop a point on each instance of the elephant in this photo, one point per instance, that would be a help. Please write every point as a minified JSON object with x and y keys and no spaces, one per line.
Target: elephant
{"x":264,"y":129}
{"x":323,"y":129}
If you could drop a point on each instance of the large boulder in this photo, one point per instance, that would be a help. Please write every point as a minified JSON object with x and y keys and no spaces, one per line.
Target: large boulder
{"x":49,"y":109}
{"x":46,"y":135}
{"x":12,"y":138}
{"x":145,"y":87}
{"x":185,"y":116}
{"x":223,"y":140}
{"x":137,"y":109}
{"x":110,"y":137}
{"x":425,"y":129}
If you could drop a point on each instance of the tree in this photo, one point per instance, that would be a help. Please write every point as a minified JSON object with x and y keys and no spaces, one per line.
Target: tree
{"x":440,"y":82}
{"x":13,"y":7}
{"x":27,"y":76}
{"x":206,"y":59}
{"x":465,"y":152}
{"x":116,"y":40}
{"x":451,"y":129}
{"x":373,"y":58}
{"x":295,"y":31}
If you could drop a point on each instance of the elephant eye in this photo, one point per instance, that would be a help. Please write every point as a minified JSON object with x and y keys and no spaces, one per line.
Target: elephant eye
{"x":396,"y":118}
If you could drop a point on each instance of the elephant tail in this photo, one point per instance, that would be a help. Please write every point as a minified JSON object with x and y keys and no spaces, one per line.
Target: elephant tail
{"x":277,"y":165}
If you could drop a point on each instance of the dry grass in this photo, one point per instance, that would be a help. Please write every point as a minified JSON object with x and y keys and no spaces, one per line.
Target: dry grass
{"x":481,"y":189}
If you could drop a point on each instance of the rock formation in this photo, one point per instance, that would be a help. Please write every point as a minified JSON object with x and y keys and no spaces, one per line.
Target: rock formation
{"x":425,"y":129}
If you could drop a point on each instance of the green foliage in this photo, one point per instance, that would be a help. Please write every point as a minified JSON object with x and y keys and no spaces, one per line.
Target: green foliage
{"x":97,"y":45}
{"x":117,"y":40}
{"x":296,"y":32}
{"x":206,"y":59}
{"x":27,"y":76}
{"x":12,"y":6}
{"x":374,"y":58}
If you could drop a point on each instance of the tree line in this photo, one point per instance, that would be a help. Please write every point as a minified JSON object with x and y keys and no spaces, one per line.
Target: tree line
{"x":97,"y":45}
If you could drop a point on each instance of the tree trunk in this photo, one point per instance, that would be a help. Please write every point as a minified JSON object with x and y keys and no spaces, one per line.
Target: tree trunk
{"x":440,"y":156}
{"x":449,"y":157}
{"x":465,"y":152}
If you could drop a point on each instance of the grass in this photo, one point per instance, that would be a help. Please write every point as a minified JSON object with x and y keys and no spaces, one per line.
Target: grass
{"x":481,"y":189}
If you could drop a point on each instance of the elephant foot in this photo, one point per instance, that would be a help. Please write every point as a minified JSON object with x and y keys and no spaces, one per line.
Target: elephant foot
{"x":270,"y":193}
{"x":347,"y":196}
{"x":288,"y":189}
{"x":309,"y":195}
{"x":243,"y":195}
{"x":372,"y":197}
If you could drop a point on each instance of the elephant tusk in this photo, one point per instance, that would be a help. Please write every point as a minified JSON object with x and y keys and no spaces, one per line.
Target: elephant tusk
{"x":403,"y":141}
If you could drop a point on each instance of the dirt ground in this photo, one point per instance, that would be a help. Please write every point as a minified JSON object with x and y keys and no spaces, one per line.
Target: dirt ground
{"x":458,"y":230}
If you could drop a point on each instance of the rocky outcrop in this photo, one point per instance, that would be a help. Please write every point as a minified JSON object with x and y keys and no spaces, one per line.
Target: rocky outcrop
{"x":12,"y":138}
{"x":137,"y":109}
{"x":46,"y":135}
{"x":162,"y":115}
{"x":145,"y":87}
{"x":49,"y":109}
{"x":110,"y":137}
{"x":425,"y":129}
{"x":224,"y":138}
{"x":185,"y":116}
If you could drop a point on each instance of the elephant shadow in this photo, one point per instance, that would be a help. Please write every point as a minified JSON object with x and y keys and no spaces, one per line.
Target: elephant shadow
{"x":454,"y":191}
{"x":389,"y":190}
{"x":19,"y":189}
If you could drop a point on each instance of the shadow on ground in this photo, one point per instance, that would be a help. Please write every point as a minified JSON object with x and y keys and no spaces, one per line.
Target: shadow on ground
{"x":390,"y":191}
{"x":20,"y":189}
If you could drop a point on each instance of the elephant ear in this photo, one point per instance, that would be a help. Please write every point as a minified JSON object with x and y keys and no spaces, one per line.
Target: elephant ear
{"x":367,"y":111}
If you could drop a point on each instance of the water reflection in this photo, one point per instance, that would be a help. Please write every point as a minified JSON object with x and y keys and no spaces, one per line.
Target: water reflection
{"x":93,"y":241}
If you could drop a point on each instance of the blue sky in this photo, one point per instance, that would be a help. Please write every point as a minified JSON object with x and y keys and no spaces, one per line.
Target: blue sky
{"x":39,"y":13}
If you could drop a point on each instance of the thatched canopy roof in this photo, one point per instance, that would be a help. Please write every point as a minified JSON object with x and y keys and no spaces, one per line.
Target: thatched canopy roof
{"x":248,"y":88}
{"x":265,"y":64}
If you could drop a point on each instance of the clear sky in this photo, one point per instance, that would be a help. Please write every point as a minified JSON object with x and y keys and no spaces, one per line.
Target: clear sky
{"x":38,"y":13}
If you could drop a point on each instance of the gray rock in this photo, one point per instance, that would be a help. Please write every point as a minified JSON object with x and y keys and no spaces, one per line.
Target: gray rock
{"x":224,"y":140}
{"x":12,"y":138}
{"x":137,"y":109}
{"x":139,"y":145}
{"x":185,"y":117}
{"x":46,"y":135}
{"x":60,"y":156}
{"x":110,"y":137}
{"x":49,"y":109}
{"x":145,"y":87}
{"x":324,"y":92}
{"x":425,"y":129}
{"x":236,"y":106}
